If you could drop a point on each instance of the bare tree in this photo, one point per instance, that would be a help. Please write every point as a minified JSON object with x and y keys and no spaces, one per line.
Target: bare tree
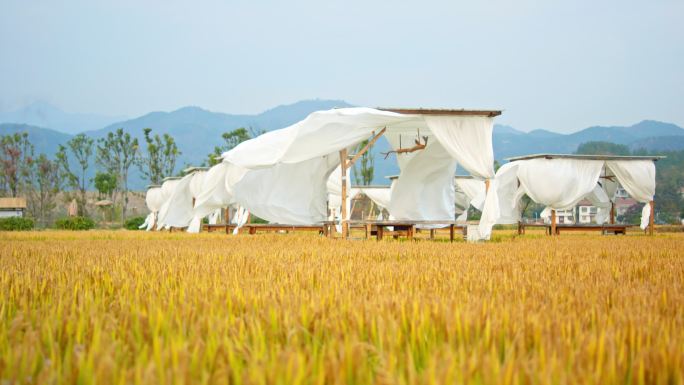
{"x":81,"y":148}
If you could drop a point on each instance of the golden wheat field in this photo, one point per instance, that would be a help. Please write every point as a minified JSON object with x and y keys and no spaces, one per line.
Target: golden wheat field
{"x":122,"y":307}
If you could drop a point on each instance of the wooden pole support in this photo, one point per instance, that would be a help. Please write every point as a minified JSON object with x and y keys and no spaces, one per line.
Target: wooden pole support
{"x":553,"y":222}
{"x":651,"y":220}
{"x":343,"y":220}
{"x":612,"y":213}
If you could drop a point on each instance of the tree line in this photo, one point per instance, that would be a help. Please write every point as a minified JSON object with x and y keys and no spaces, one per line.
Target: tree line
{"x":41,"y":178}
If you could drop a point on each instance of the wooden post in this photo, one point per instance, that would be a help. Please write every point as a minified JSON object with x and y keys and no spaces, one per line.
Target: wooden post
{"x":651,"y":220}
{"x":612,"y":213}
{"x":226,"y":215}
{"x":553,"y":222}
{"x":343,"y":219}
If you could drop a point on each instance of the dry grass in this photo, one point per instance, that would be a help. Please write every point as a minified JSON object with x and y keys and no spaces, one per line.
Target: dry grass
{"x":124,"y":307}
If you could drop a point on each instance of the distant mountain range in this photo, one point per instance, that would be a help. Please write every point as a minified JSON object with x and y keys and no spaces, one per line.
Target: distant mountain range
{"x":43,"y":114}
{"x":197,"y":131}
{"x":648,"y":134}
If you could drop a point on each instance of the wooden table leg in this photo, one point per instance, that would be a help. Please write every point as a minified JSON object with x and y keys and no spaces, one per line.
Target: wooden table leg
{"x":432,"y":233}
{"x":380,"y":232}
{"x":451,"y":233}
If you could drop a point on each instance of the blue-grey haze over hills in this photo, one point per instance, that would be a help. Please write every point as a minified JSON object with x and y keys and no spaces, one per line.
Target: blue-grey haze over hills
{"x":197,"y":131}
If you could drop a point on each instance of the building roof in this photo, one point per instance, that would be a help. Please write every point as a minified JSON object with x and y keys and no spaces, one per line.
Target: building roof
{"x":654,"y":158}
{"x":13,"y":203}
{"x":441,"y":111}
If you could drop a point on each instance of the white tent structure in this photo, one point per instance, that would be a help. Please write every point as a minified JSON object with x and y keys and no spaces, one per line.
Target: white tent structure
{"x":282,"y":175}
{"x":167,"y":188}
{"x":560,"y":181}
{"x":154,"y":201}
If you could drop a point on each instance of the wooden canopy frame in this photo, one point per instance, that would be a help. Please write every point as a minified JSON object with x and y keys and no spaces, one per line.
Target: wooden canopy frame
{"x":653,"y":158}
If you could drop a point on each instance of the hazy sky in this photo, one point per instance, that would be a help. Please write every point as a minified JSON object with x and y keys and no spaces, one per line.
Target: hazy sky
{"x":561,"y":65}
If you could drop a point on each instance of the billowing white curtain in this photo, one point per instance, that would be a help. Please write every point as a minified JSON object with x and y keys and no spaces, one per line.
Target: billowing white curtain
{"x":468,"y":139}
{"x":501,"y":205}
{"x":240,"y":218}
{"x":425,"y":187}
{"x":462,"y":204}
{"x":637,"y":177}
{"x":180,"y":210}
{"x":214,"y":193}
{"x":154,"y":201}
{"x":474,"y":189}
{"x":601,"y":201}
{"x":380,"y":196}
{"x":214,"y":217}
{"x":167,"y":189}
{"x":293,"y":193}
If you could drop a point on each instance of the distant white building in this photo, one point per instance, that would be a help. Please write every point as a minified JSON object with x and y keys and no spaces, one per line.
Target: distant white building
{"x":12,"y":207}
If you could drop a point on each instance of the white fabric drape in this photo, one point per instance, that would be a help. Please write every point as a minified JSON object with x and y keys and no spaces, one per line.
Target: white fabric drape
{"x":425,"y":187}
{"x":214,"y":193}
{"x":468,"y":139}
{"x":287,"y":193}
{"x":167,"y":189}
{"x":558,"y":183}
{"x":154,"y":200}
{"x":474,"y":189}
{"x":601,"y":201}
{"x":637,"y":177}
{"x":214,"y":217}
{"x":501,"y":205}
{"x":380,"y":196}
{"x":180,"y":210}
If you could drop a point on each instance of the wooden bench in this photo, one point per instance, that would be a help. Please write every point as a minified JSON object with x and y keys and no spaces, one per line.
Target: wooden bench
{"x":407,"y":229}
{"x":223,"y":228}
{"x":253,"y":228}
{"x":604,"y":229}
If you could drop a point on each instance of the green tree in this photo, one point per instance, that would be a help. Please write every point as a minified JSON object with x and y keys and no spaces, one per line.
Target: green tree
{"x":81,"y":148}
{"x":46,"y":181}
{"x":116,"y":152}
{"x":16,"y":156}
{"x":231,"y":140}
{"x":160,"y":160}
{"x":364,"y":168}
{"x":105,"y":183}
{"x":602,"y":148}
